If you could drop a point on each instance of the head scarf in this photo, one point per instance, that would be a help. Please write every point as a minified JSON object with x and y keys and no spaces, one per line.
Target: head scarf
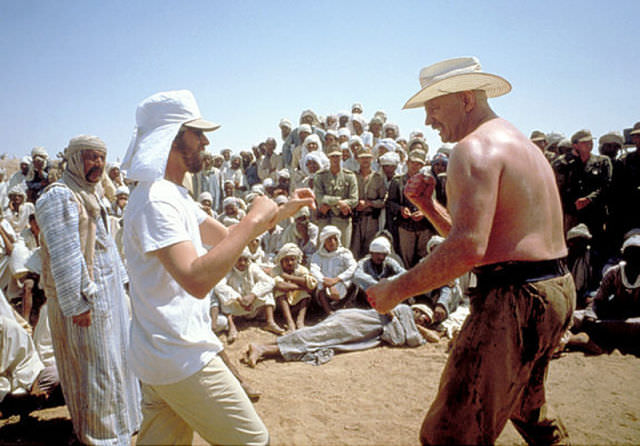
{"x":205,"y":196}
{"x":74,"y":175}
{"x":304,"y":128}
{"x":17,"y":190}
{"x":380,"y":245}
{"x":281,"y":199}
{"x":158,"y":120}
{"x":288,"y":249}
{"x":344,"y":132}
{"x":319,"y":157}
{"x":39,"y":151}
{"x":389,"y":159}
{"x":284,"y":122}
{"x":122,"y":190}
{"x":311,"y":113}
{"x":327,"y":232}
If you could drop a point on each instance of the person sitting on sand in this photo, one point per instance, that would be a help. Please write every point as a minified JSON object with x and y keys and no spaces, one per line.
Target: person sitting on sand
{"x":247,"y":291}
{"x":377,"y":265}
{"x":333,"y":265}
{"x":349,"y":329}
{"x":612,"y":319}
{"x":293,"y":285}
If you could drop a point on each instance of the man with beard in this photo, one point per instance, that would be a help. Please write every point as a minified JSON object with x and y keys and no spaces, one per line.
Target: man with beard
{"x":84,"y":280}
{"x":504,"y":219}
{"x":185,"y":384}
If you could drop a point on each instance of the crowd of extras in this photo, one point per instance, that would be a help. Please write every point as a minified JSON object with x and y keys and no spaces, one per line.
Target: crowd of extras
{"x":363,"y":229}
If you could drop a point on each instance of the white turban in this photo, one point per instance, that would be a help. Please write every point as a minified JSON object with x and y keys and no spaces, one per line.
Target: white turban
{"x":122,"y":190}
{"x":327,"y":232}
{"x":389,"y":159}
{"x":285,"y":123}
{"x":304,"y":128}
{"x":283,"y":173}
{"x":355,"y":139}
{"x":25,"y":160}
{"x":344,"y":132}
{"x":288,"y":249}
{"x":17,"y":190}
{"x":228,"y":201}
{"x":158,"y":120}
{"x":267,"y":182}
{"x":39,"y":151}
{"x":311,"y":138}
{"x":380,"y":245}
{"x":281,"y":199}
{"x":205,"y":196}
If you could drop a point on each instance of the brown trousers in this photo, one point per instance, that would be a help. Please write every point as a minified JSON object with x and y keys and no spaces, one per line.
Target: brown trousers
{"x":498,"y":365}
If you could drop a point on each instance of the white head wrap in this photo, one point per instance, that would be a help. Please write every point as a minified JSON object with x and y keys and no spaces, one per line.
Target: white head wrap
{"x":391,"y":125}
{"x":25,"y":160}
{"x":74,"y":175}
{"x":283,"y":173}
{"x":389,"y":159}
{"x":327,"y":232}
{"x":228,"y":201}
{"x":311,"y":138}
{"x":17,"y":190}
{"x":355,"y":139}
{"x":205,"y":196}
{"x":267,"y":182}
{"x":39,"y":151}
{"x":344,"y":132}
{"x":380,"y":245}
{"x":319,"y":157}
{"x":284,"y":122}
{"x":281,"y":199}
{"x":304,"y":128}
{"x":158,"y":120}
{"x":122,"y":190}
{"x":288,"y":249}
{"x":258,"y":189}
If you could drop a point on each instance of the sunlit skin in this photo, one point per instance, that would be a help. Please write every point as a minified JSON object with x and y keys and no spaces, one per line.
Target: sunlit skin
{"x":190,"y":144}
{"x":390,"y":132}
{"x":346,"y":154}
{"x":307,"y":119}
{"x":343,"y":139}
{"x":236,"y":163}
{"x":331,"y":243}
{"x":15,"y":202}
{"x":38,"y":163}
{"x":377,"y":258}
{"x":253,"y":245}
{"x":231,"y":210}
{"x":284,"y":132}
{"x":121,"y":200}
{"x":312,"y":147}
{"x":583,"y":149}
{"x":228,"y":189}
{"x":289,"y":263}
{"x":343,"y":121}
{"x":94,"y":163}
{"x":331,"y":120}
{"x":242,"y":264}
{"x":357,"y":128}
{"x":375,"y":129}
{"x":114,"y":173}
{"x":329,"y":139}
{"x":355,"y":148}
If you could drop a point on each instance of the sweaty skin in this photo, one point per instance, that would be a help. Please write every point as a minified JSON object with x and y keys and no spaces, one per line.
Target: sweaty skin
{"x":503,"y":202}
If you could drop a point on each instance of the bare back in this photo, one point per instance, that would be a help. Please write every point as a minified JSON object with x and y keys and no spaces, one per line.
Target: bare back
{"x":520,"y":205}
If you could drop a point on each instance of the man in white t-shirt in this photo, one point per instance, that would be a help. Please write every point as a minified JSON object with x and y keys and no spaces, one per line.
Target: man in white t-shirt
{"x":174,"y":352}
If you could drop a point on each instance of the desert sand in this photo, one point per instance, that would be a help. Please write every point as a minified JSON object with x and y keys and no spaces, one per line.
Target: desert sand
{"x":380,"y":396}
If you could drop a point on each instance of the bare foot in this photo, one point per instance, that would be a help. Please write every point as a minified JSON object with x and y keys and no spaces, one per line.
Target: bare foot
{"x":253,"y":355}
{"x":274,"y":328}
{"x":232,"y":336}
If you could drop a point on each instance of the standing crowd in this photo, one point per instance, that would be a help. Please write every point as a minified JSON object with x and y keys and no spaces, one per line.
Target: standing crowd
{"x":93,"y":254}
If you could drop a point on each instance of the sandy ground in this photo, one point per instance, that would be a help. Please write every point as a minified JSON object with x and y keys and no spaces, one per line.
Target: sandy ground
{"x":380,"y":396}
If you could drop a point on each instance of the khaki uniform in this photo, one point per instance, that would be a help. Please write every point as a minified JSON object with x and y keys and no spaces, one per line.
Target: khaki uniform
{"x":366,"y":222}
{"x":329,"y":189}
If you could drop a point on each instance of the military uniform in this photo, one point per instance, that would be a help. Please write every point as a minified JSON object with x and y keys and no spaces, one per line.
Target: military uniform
{"x":412,"y":236}
{"x":625,"y":196}
{"x":329,"y":189}
{"x":366,"y":222}
{"x":590,"y":180}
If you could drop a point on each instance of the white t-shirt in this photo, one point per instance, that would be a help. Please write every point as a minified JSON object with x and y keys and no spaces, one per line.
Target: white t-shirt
{"x":171,"y":336}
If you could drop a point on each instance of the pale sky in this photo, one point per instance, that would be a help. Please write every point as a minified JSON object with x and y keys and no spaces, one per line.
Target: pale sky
{"x":81,"y":67}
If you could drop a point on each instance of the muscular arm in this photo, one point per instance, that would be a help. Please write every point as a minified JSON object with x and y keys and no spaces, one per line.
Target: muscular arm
{"x":473,"y":189}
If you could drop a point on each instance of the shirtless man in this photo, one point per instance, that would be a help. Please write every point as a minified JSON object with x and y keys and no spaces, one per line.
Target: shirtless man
{"x":505,"y":220}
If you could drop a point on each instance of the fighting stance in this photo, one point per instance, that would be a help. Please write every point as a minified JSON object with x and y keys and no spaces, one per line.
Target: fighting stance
{"x":504,"y":220}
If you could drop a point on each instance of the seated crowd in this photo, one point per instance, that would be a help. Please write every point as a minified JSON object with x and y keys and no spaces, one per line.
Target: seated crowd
{"x":363,"y":230}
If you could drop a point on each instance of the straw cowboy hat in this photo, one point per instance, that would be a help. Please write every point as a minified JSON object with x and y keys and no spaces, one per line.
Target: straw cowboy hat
{"x":454,"y":75}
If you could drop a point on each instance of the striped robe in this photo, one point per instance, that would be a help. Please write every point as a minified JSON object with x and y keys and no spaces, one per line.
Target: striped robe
{"x":101,"y":392}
